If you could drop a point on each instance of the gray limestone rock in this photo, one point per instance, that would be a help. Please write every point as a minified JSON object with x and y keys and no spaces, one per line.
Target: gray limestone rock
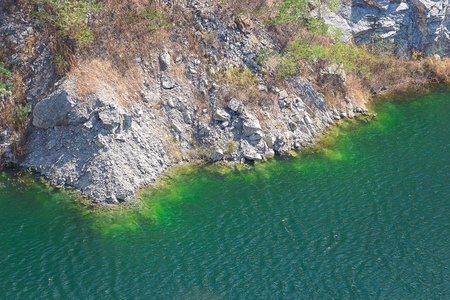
{"x":282,"y":95}
{"x":53,"y":110}
{"x":177,"y":127}
{"x":251,"y":126}
{"x":269,"y":153}
{"x":251,"y":154}
{"x":281,"y":145}
{"x":217,"y":155}
{"x":236,"y":106}
{"x":256,"y":136}
{"x":406,"y":25}
{"x":188,"y":118}
{"x":204,"y":131}
{"x":221,"y":115}
{"x":270,"y":140}
{"x":351,"y":114}
{"x":110,"y":117}
{"x":168,"y":84}
{"x":6,"y":151}
{"x":164,"y":60}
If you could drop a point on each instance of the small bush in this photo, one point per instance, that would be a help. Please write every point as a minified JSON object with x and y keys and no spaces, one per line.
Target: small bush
{"x":22,"y":112}
{"x":156,"y":19}
{"x":242,"y":78}
{"x":5,"y":74}
{"x":68,"y":17}
{"x":231,"y":146}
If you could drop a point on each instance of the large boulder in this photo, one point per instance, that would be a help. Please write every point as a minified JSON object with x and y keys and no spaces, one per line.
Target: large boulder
{"x":217,"y":154}
{"x":53,"y":110}
{"x":252,"y":154}
{"x":251,"y":126}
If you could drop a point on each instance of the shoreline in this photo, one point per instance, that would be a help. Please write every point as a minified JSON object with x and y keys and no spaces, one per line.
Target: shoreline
{"x":187,"y":168}
{"x":319,"y":144}
{"x":108,"y":127}
{"x":314,"y":146}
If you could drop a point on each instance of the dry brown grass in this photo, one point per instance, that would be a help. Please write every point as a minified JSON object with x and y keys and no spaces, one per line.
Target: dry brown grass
{"x":95,"y":75}
{"x":396,"y":74}
{"x":134,"y":28}
{"x":241,"y":84}
{"x":9,"y":118}
{"x":194,"y":44}
{"x":355,"y":90}
{"x":371,"y":72}
{"x":179,"y":71}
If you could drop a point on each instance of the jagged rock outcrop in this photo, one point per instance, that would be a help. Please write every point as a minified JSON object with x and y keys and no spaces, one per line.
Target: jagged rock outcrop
{"x":403,"y":26}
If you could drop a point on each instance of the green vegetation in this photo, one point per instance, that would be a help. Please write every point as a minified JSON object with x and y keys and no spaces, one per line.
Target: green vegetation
{"x":242,"y":78}
{"x":22,"y":112}
{"x":5,"y":74}
{"x":308,"y":44}
{"x":156,"y":19}
{"x":311,"y":47}
{"x":68,"y":17}
{"x":231,"y":146}
{"x":299,"y":13}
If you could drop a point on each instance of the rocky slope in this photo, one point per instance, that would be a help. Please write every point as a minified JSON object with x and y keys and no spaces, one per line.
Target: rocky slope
{"x":108,"y":148}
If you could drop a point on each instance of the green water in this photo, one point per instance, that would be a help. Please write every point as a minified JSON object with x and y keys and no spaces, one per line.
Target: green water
{"x":367,"y":218}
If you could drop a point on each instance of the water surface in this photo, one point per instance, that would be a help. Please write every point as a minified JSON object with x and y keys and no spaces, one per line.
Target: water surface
{"x":366,"y":218}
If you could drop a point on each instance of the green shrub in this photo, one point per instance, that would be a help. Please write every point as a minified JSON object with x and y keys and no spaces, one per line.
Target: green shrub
{"x":287,"y":66}
{"x":69,"y":17}
{"x":22,"y":112}
{"x":242,"y":78}
{"x":231,"y":146}
{"x":350,"y":56}
{"x":303,"y":49}
{"x":5,"y":74}
{"x":299,"y":13}
{"x":156,"y":19}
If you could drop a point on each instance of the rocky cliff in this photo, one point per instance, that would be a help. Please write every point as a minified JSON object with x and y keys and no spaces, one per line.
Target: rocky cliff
{"x":403,"y":26}
{"x":108,"y":142}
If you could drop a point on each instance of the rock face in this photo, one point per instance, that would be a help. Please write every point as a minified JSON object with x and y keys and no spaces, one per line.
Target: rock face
{"x":405,"y":25}
{"x":59,"y":108}
{"x":107,"y":154}
{"x":6,"y":154}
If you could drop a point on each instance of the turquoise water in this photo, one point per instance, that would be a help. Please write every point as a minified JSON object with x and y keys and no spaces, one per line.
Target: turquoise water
{"x":366,"y":218}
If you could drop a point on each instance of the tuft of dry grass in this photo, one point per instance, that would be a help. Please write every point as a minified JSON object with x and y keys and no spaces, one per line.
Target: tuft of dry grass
{"x":242,"y":84}
{"x":13,"y":115}
{"x":98,"y":74}
{"x":355,"y":90}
